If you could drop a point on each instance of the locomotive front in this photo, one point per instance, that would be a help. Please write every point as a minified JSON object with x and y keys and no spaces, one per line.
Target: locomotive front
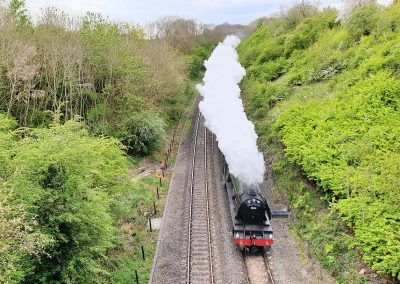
{"x":250,"y":214}
{"x":251,"y":206}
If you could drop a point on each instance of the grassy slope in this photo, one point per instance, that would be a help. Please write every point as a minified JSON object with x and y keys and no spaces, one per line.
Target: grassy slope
{"x":330,"y":94}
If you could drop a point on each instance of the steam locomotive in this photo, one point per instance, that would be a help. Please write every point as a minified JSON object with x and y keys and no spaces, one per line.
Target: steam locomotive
{"x":251,"y":214}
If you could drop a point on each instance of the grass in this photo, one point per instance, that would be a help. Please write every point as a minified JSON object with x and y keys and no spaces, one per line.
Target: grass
{"x":136,"y":208}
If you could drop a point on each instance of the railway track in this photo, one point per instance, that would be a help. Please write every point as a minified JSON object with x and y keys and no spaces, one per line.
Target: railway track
{"x":258,"y":269}
{"x":199,"y":252}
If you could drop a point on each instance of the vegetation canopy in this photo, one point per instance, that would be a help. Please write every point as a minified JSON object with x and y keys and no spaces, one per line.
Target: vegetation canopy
{"x":330,"y":92}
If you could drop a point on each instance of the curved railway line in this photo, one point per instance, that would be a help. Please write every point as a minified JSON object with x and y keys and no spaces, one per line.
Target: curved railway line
{"x":199,"y":252}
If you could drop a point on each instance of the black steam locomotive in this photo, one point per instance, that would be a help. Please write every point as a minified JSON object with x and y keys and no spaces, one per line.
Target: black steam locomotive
{"x":251,"y":214}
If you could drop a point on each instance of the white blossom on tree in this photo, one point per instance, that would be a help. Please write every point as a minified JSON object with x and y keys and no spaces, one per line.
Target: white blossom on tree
{"x":347,"y":7}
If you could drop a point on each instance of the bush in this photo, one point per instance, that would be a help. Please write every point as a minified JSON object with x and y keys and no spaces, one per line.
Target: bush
{"x":70,"y":177}
{"x":389,"y":21}
{"x":263,"y":97}
{"x":362,"y":22}
{"x":7,"y":123}
{"x":307,"y":32}
{"x":142,"y":133}
{"x":268,"y":71}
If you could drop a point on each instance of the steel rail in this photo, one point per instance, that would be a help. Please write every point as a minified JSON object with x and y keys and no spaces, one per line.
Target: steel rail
{"x":208,"y":206}
{"x":191,"y":236}
{"x":191,"y":200}
{"x":246,"y":269}
{"x":269,"y":271}
{"x":267,"y":267}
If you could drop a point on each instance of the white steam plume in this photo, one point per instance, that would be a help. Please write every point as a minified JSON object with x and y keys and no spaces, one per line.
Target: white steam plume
{"x":224,"y":114}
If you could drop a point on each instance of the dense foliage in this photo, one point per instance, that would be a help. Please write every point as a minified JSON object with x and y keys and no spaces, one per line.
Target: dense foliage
{"x":195,"y":61}
{"x":67,"y":86}
{"x":102,"y":71}
{"x":330,"y":92}
{"x":62,"y":181}
{"x":143,"y":133}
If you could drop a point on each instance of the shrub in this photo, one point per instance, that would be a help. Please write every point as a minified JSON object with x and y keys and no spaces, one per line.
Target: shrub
{"x":362,"y":22}
{"x":65,"y":179}
{"x":306,"y":33}
{"x":389,"y":20}
{"x":263,"y":97}
{"x":268,"y":71}
{"x":7,"y":123}
{"x":142,"y":133}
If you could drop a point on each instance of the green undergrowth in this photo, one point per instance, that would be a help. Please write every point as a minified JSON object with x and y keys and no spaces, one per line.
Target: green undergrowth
{"x":134,"y":208}
{"x":329,"y":98}
{"x":319,"y":231}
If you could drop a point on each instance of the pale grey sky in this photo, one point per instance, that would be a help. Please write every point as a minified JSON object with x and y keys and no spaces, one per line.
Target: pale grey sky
{"x":145,"y":11}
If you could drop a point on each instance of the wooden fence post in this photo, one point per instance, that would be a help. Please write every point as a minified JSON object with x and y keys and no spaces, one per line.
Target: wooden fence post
{"x":144,"y":258}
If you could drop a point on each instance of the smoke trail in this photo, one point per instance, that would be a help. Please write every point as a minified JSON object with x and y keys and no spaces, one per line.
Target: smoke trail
{"x":224,"y":114}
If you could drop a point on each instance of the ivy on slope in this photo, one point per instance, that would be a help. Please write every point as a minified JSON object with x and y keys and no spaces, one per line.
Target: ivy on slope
{"x":334,"y":101}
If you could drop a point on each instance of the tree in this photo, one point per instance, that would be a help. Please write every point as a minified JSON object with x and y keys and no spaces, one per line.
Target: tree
{"x":66,"y":179}
{"x":349,"y":6}
{"x":19,"y":12}
{"x":177,"y":32}
{"x":296,"y":12}
{"x":363,"y":21}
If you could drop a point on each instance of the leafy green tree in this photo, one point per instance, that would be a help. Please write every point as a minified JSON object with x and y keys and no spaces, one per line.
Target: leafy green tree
{"x":67,"y":179}
{"x":195,"y":61}
{"x":20,"y":238}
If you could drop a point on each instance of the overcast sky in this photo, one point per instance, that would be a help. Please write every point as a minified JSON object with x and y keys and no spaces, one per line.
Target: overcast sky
{"x":145,"y":11}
